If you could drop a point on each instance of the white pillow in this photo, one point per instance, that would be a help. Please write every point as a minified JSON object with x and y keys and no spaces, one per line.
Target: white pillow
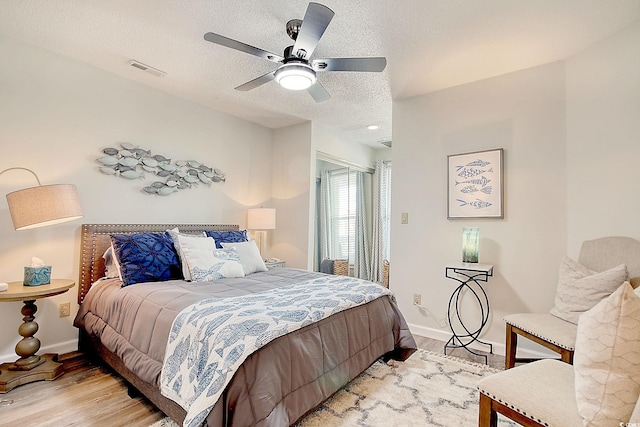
{"x":579,"y":288}
{"x":607,"y":359}
{"x":635,"y":415}
{"x":111,"y":265}
{"x":174,"y":233}
{"x":249,"y":256}
{"x":206,"y":263}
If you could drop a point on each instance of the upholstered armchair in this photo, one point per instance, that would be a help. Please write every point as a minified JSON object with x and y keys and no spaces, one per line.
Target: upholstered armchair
{"x":557,"y":331}
{"x":602,"y":388}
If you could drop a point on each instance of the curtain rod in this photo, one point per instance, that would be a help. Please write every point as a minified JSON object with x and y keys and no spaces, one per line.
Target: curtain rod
{"x":342,"y":162}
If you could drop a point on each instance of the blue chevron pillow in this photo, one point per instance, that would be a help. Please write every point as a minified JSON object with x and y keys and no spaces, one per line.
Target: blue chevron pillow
{"x":227,"y":236}
{"x":146,"y":257}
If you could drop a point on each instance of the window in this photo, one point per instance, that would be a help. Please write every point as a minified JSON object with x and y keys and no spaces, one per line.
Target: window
{"x":342,"y":214}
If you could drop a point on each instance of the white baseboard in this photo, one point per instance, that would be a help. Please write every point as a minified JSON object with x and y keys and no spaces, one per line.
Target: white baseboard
{"x":498,"y":347}
{"x":59,"y":348}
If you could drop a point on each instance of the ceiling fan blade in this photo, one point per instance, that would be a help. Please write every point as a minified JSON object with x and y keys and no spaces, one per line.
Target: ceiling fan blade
{"x":242,"y":47}
{"x":315,"y":22}
{"x":258,"y":81}
{"x":376,"y":64}
{"x":318,"y":92}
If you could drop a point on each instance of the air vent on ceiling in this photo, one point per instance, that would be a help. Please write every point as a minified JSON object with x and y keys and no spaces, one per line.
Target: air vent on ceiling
{"x":147,"y":68}
{"x":387,"y":143}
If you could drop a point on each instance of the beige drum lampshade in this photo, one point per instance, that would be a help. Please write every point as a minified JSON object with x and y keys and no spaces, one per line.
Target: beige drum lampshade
{"x":44,"y":205}
{"x":261,"y":219}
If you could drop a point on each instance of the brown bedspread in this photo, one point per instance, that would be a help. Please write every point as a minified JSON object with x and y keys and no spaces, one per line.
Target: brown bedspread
{"x":276,"y":385}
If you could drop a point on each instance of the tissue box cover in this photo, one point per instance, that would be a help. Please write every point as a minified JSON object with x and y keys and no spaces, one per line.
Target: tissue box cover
{"x":36,"y":276}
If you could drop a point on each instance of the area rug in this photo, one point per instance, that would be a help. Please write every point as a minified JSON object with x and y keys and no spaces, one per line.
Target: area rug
{"x":428,"y":389}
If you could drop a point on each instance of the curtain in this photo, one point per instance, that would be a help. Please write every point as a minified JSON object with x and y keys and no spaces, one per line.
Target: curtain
{"x":324,"y":223}
{"x":342,"y":219}
{"x":361,"y":254}
{"x":381,"y":220}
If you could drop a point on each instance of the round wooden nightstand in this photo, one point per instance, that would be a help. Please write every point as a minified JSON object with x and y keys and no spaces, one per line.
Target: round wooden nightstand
{"x":30,"y":367}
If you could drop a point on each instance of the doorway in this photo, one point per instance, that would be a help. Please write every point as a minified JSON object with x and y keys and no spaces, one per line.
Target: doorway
{"x":343,"y":216}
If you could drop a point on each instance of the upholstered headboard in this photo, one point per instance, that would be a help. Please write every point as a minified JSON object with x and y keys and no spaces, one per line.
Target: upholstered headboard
{"x":608,"y":252}
{"x":95,"y":241}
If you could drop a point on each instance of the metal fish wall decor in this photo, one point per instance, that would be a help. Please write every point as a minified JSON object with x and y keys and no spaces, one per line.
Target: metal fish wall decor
{"x":132,"y":162}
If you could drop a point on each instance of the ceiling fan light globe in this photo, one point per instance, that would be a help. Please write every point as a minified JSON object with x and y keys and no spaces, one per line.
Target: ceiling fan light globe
{"x":295,"y":76}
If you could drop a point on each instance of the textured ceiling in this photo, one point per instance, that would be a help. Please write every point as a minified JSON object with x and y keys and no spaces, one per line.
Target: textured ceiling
{"x":429,"y":45}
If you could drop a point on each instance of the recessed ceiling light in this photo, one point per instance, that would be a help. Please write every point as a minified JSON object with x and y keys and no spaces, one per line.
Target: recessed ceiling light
{"x":373,"y":127}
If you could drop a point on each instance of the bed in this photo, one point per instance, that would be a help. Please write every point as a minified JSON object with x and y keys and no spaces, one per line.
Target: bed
{"x":277,"y":385}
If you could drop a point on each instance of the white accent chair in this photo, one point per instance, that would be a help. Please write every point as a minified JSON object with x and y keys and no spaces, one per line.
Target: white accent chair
{"x":557,"y":334}
{"x":539,"y":394}
{"x":603,"y":388}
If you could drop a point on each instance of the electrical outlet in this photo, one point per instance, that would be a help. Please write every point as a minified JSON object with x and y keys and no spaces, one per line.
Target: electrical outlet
{"x":65,"y":309}
{"x":417,"y":299}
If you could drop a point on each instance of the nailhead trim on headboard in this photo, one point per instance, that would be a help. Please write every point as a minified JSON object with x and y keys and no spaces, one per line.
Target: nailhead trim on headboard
{"x":95,"y":241}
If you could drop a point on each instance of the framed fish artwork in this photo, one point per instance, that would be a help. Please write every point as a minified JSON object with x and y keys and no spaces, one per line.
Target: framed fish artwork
{"x":475,"y":185}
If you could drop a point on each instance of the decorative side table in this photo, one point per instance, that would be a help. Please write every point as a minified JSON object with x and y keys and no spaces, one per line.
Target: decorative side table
{"x":470,"y":276}
{"x":30,"y":367}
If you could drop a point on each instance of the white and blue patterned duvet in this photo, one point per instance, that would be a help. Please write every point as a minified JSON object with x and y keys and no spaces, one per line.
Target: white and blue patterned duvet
{"x":209,"y":340}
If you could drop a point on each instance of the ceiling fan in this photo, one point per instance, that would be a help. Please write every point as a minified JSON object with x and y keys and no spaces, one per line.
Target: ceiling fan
{"x":297,"y":71}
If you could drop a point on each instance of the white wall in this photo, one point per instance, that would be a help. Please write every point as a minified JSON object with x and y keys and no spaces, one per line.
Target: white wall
{"x":292,"y":180}
{"x":570,"y":131}
{"x":522,"y":112}
{"x":56,"y":115}
{"x":384,"y":153}
{"x":603,"y":139}
{"x":328,"y":141}
{"x":294,"y":172}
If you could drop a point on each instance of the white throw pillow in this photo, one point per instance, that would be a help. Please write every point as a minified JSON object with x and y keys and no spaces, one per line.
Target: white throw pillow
{"x":206,"y":263}
{"x":635,"y":415}
{"x":607,"y":359}
{"x":111,"y":265}
{"x":579,"y":288}
{"x":174,"y":233}
{"x":249,"y":256}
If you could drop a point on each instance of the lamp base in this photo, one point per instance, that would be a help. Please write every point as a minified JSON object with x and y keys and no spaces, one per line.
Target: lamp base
{"x":48,"y":370}
{"x":260,"y":236}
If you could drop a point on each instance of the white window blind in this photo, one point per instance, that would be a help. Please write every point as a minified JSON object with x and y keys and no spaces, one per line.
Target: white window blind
{"x":342,"y":214}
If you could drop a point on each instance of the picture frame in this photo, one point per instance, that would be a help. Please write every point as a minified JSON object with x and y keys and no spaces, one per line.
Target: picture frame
{"x":474,"y":185}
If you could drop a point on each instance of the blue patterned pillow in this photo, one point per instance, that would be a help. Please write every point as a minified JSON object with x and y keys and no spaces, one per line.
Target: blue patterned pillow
{"x":228,"y":236}
{"x":146,"y":257}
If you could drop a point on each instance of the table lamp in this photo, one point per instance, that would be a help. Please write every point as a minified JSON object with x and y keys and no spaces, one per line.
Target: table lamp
{"x":470,"y":237}
{"x":32,"y":208}
{"x":260,"y":220}
{"x":42,"y":205}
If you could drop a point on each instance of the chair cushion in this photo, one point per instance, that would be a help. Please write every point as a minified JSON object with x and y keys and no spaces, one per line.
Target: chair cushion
{"x":546,"y":326}
{"x":542,"y":391}
{"x":580,"y":288}
{"x":607,"y":359}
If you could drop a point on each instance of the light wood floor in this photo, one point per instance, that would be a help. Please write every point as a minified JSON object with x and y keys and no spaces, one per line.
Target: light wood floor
{"x":88,"y":395}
